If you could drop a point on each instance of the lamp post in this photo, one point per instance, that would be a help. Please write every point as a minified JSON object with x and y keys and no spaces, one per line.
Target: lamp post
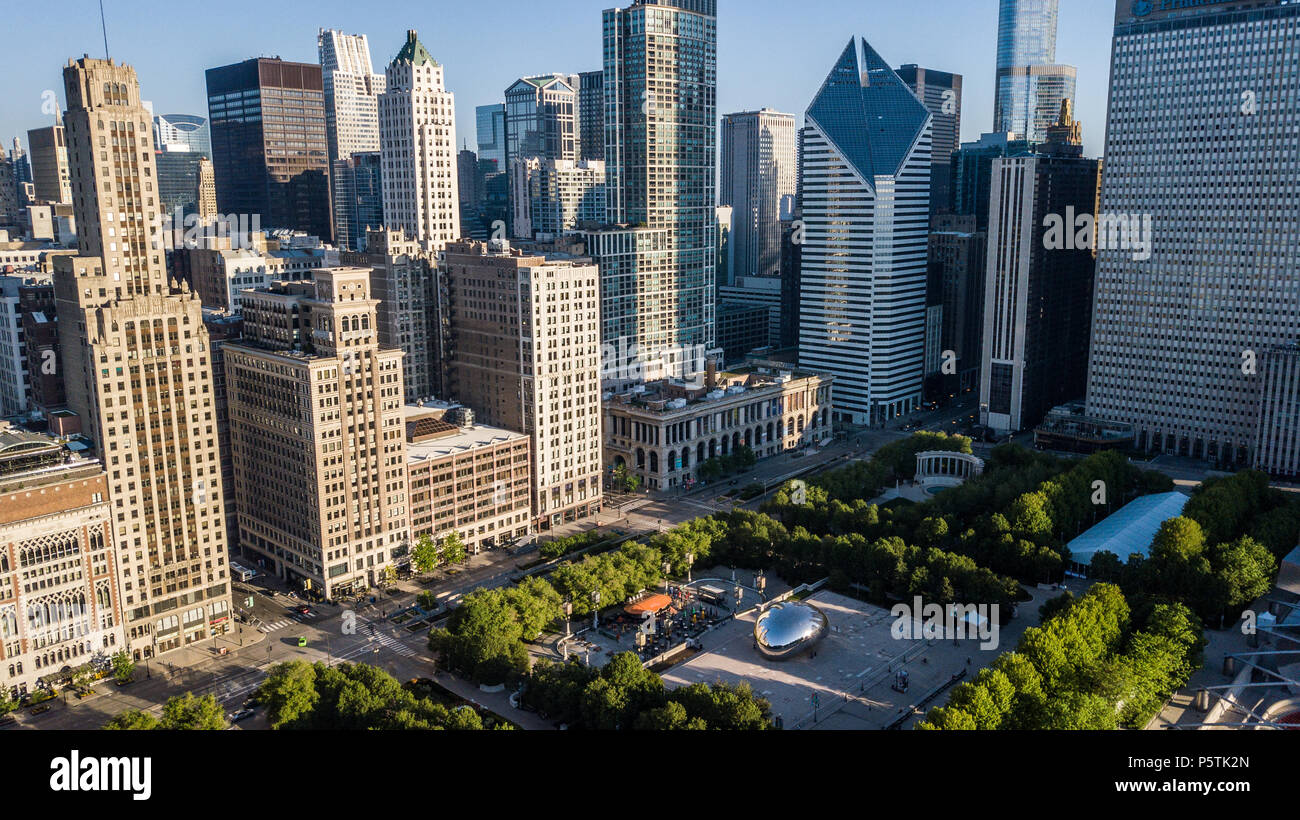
{"x":595,"y":609}
{"x":690,"y":559}
{"x":568,"y":618}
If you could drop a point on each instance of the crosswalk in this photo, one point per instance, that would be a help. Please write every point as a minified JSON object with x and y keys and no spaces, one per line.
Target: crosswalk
{"x":393,"y":644}
{"x":274,"y":626}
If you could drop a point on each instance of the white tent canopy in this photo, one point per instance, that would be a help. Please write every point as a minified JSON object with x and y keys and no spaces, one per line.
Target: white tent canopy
{"x":1129,"y":531}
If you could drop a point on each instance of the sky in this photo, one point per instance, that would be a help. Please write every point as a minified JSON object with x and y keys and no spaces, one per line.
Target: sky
{"x":771,"y":53}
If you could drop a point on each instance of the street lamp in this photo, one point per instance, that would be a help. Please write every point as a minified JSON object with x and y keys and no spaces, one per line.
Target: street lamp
{"x":568,"y":618}
{"x":595,"y":610}
{"x":690,"y":559}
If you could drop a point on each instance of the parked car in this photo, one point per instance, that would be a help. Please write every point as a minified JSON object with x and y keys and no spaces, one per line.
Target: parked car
{"x":242,"y":714}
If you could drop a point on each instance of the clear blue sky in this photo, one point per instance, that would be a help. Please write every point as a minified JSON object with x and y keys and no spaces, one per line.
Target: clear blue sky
{"x":771,"y":53}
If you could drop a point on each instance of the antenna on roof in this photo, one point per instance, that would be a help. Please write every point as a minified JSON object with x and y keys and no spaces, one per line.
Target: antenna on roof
{"x":103,"y":24}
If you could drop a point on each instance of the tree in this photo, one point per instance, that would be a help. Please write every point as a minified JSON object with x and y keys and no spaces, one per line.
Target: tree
{"x":7,"y":702}
{"x":193,"y":714}
{"x":289,"y":693}
{"x":625,"y":479}
{"x":453,"y":549}
{"x":123,"y":666}
{"x":132,"y":720}
{"x":424,"y":555}
{"x":1178,"y":538}
{"x":387,"y":576}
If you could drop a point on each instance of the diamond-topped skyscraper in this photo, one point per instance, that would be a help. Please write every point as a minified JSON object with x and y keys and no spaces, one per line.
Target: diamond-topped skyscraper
{"x":865,"y":190}
{"x":659,"y":257}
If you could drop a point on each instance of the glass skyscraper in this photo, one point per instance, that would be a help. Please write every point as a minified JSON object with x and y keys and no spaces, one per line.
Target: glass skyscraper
{"x":661,"y":160}
{"x":491,"y":126}
{"x":1030,"y":85}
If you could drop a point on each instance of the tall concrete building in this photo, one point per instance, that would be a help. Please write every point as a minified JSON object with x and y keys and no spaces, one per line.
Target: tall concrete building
{"x":269,"y":145}
{"x":1030,"y":86}
{"x":49,"y":160}
{"x":137,"y":369}
{"x":1278,"y":452}
{"x":591,"y":115}
{"x":758,"y":170}
{"x":525,"y":354}
{"x":352,"y":90}
{"x":940,"y":93}
{"x":659,"y":266}
{"x":317,"y":436}
{"x":417,"y":136}
{"x":865,"y":193}
{"x":62,"y":608}
{"x":958,"y":260}
{"x":10,"y":213}
{"x":409,"y":316}
{"x":1192,"y":290}
{"x":1038,"y":285}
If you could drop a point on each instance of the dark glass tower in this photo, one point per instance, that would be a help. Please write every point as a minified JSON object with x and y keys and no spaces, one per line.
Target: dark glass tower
{"x":1030,"y":86}
{"x":269,"y":146}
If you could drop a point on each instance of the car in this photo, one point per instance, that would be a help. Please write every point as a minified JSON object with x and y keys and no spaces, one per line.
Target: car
{"x":302,"y":609}
{"x":242,"y":714}
{"x":7,"y":720}
{"x":302,"y":641}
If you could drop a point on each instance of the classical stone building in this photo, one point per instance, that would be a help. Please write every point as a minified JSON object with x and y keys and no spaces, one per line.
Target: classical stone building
{"x":665,"y":430}
{"x":59,"y":605}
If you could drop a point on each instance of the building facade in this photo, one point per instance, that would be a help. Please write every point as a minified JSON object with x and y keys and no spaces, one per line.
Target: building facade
{"x":1038,"y":287}
{"x":1189,"y":291}
{"x":60,"y":607}
{"x":758,"y":171}
{"x":316,"y":435}
{"x":1278,"y":451}
{"x":554,"y":197}
{"x":417,"y":136}
{"x":661,"y":162}
{"x":940,"y":93}
{"x":663,"y":431}
{"x":467,"y":478}
{"x":270,"y":151}
{"x":358,"y":198}
{"x":864,"y":191}
{"x":51,"y":173}
{"x":352,"y":90}
{"x":1030,"y":85}
{"x":526,"y":355}
{"x":591,"y":115}
{"x":137,"y":370}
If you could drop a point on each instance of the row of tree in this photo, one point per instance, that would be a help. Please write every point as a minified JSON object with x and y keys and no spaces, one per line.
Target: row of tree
{"x":1085,"y":667}
{"x":183,"y":712}
{"x":625,"y":695}
{"x":427,"y":555}
{"x":301,"y":695}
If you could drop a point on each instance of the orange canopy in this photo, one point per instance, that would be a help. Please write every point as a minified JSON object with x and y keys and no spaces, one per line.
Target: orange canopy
{"x":648,"y":604}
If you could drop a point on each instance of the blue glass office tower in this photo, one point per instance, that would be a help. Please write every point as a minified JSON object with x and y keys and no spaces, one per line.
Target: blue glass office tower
{"x":1030,"y":85}
{"x":865,"y":191}
{"x":491,"y":127}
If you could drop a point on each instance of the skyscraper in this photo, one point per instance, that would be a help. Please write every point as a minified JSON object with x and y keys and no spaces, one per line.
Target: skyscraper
{"x":865,"y":193}
{"x":187,"y":130}
{"x":591,"y":115}
{"x":1029,"y":86}
{"x":358,"y":198}
{"x":352,"y":90}
{"x":940,"y":93}
{"x":658,"y":272}
{"x":269,"y":148}
{"x":137,"y":367}
{"x":525,"y":355}
{"x":312,"y":394}
{"x":417,"y":136}
{"x":1038,"y":284}
{"x":542,"y":118}
{"x":490,"y":121}
{"x":758,"y":170}
{"x":1196,"y":271}
{"x":49,"y":159}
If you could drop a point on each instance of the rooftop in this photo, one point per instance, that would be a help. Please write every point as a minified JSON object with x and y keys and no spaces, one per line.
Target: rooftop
{"x":1129,"y":531}
{"x":466,"y":439}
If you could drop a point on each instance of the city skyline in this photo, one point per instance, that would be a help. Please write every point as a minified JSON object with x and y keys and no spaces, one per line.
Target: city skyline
{"x":478,"y":68}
